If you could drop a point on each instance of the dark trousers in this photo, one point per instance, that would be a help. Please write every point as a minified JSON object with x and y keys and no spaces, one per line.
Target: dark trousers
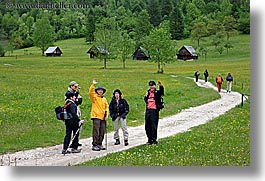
{"x":99,"y":127}
{"x":151,"y":123}
{"x":71,"y":127}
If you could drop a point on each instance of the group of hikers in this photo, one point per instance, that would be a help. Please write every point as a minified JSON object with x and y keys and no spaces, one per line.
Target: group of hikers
{"x":117,"y":109}
{"x":219,"y":80}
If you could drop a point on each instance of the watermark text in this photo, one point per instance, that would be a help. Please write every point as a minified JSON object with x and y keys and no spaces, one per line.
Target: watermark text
{"x":61,"y":5}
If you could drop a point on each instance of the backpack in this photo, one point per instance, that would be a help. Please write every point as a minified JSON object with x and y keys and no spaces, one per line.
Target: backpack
{"x":219,"y":80}
{"x":229,"y":78}
{"x":61,"y":113}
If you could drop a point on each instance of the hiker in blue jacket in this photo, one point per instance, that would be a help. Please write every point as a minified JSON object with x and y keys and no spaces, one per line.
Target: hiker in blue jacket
{"x":229,"y":79}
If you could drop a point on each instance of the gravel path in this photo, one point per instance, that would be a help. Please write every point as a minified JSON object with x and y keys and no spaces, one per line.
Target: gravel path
{"x":168,"y":126}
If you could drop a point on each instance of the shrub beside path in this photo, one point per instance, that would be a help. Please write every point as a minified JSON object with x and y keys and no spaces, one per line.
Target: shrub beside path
{"x":168,"y":126}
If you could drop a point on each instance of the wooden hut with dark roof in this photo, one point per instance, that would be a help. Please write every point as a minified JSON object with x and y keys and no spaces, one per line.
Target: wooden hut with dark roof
{"x":53,"y":51}
{"x":96,"y":51}
{"x":187,"y":53}
{"x":140,"y":54}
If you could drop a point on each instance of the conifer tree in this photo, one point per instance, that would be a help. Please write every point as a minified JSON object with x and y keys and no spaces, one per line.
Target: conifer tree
{"x":90,"y":27}
{"x":176,"y":26}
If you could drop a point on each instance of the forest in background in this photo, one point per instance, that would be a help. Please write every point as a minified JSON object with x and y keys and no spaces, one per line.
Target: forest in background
{"x":123,"y":25}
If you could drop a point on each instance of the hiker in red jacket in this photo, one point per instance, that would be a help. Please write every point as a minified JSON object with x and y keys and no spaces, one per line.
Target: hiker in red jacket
{"x":219,"y":80}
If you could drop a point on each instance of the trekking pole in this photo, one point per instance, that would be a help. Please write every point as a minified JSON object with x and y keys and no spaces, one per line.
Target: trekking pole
{"x":105,"y":130}
{"x":106,"y":136}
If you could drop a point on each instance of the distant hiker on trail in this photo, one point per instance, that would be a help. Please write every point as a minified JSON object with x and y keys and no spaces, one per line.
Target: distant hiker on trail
{"x":119,"y":109}
{"x":229,"y":79}
{"x":197,"y":74}
{"x":75,"y":88}
{"x":99,"y":115}
{"x":72,"y":124}
{"x":206,"y":74}
{"x":152,"y":99}
{"x":219,"y":80}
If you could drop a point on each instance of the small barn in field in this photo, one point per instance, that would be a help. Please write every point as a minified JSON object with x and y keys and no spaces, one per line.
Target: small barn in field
{"x":140,"y":54}
{"x":187,"y":53}
{"x":53,"y":51}
{"x":96,"y":51}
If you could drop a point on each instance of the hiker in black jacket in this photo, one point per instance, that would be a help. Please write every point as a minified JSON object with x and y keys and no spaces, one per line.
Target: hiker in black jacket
{"x":75,"y":88}
{"x":153,"y":105}
{"x":197,"y":74}
{"x":71,"y":124}
{"x":206,"y":74}
{"x":119,"y":108}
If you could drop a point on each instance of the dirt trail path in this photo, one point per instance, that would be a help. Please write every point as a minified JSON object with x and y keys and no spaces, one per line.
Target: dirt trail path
{"x":168,"y":126}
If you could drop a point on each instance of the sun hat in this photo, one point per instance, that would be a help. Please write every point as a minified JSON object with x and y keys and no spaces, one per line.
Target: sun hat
{"x":100,"y":87}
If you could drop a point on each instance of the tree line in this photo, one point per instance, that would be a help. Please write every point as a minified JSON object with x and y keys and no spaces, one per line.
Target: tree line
{"x":155,"y":24}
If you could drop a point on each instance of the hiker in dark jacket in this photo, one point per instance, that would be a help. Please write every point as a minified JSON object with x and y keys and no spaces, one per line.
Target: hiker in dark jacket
{"x":75,"y":88}
{"x":153,"y":105}
{"x":197,"y":74}
{"x":229,"y":79}
{"x":72,"y":124}
{"x":206,"y":74}
{"x":119,"y":108}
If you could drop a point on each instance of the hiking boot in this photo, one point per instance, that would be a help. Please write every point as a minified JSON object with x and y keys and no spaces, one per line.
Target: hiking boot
{"x":76,"y":150}
{"x":154,"y":143}
{"x":126,"y":142}
{"x":148,"y":143}
{"x":66,"y":152}
{"x":71,"y":146}
{"x":95,"y":148}
{"x":101,"y":147}
{"x":117,"y":142}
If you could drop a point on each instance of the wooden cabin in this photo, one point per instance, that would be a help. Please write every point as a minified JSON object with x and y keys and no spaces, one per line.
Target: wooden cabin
{"x":187,"y":53}
{"x":53,"y":51}
{"x":96,"y":51}
{"x":140,"y":54}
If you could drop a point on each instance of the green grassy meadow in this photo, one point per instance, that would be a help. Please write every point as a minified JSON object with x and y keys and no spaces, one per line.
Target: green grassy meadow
{"x":33,"y":85}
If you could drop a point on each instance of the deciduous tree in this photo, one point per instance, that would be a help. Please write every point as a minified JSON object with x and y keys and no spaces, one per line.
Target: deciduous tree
{"x":43,"y":35}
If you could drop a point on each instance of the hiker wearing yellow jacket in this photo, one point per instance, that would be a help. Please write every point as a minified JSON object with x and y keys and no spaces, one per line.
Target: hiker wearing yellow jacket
{"x":99,"y":115}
